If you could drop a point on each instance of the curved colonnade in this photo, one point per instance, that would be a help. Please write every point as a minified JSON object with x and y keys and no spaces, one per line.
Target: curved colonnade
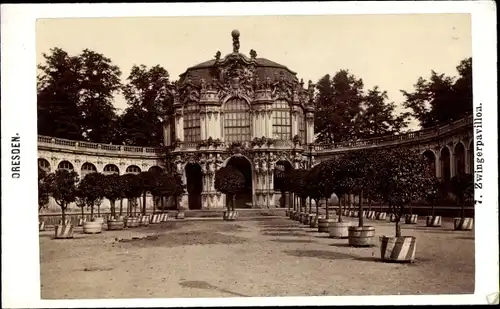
{"x":449,"y":148}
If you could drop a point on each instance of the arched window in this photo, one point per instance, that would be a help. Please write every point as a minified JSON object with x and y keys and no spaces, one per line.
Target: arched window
{"x":192,"y":131}
{"x":133,"y":169}
{"x":236,"y":121}
{"x":155,"y":169}
{"x":302,"y":125}
{"x":65,"y":165}
{"x":282,"y":125}
{"x":88,"y":168}
{"x":44,"y":165}
{"x":111,"y":169}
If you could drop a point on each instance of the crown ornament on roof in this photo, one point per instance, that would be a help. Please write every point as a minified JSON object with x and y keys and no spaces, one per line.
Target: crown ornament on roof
{"x":236,"y":40}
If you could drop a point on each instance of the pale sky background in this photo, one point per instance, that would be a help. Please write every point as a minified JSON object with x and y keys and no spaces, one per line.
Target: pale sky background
{"x":390,"y":51}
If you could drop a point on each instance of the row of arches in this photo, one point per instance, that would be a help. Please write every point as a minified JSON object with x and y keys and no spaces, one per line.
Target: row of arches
{"x":447,"y":164}
{"x":91,"y":168}
{"x":237,"y":119}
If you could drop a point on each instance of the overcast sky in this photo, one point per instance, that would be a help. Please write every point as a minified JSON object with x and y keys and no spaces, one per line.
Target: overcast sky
{"x":390,"y":51}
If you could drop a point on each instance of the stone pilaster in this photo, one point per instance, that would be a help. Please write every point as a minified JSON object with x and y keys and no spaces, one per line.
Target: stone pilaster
{"x":203,"y":125}
{"x":295,"y":122}
{"x":309,"y":127}
{"x":179,"y":126}
{"x":269,"y":124}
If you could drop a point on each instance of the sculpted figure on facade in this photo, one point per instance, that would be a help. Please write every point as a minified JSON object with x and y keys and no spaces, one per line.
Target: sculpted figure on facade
{"x":188,"y":91}
{"x":264,"y":167}
{"x":256,"y":164}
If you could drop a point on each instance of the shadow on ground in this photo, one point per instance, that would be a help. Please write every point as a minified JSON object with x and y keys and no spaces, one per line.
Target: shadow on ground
{"x":183,"y":239}
{"x":466,"y":237}
{"x":322,"y":254}
{"x":272,"y":230}
{"x":436,"y":230}
{"x":294,"y":240}
{"x":203,"y":285}
{"x":298,"y":234}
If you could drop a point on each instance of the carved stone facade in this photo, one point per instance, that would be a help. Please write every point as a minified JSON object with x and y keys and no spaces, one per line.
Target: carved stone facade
{"x":242,"y":106}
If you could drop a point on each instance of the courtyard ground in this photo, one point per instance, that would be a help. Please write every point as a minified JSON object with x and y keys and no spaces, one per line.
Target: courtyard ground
{"x":264,"y":256}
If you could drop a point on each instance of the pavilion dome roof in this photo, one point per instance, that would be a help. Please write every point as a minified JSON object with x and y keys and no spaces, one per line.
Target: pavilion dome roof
{"x":264,"y":68}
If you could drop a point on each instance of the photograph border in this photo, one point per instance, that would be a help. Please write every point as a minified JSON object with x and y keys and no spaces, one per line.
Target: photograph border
{"x":20,"y":243}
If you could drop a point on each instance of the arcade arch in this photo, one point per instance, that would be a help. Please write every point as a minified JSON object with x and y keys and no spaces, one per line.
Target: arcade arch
{"x":194,"y":185}
{"x":65,"y":165}
{"x":242,"y":164}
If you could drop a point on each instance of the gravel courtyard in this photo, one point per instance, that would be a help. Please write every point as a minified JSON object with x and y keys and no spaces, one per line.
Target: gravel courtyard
{"x":265,"y":256}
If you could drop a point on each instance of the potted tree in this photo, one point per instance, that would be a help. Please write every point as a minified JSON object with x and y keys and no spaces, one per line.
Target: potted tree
{"x":132,"y":190}
{"x":63,"y":189}
{"x":338,"y":180}
{"x":298,"y":186}
{"x":91,"y":190}
{"x":462,"y":186}
{"x":402,"y":178}
{"x":286,"y":184}
{"x":80,"y":203}
{"x":43,"y":195}
{"x":229,"y":181}
{"x":180,"y":188}
{"x":360,"y":166}
{"x":112,"y":191}
{"x":146,"y":183}
{"x":431,"y":196}
{"x":315,"y":192}
{"x":326,"y":172}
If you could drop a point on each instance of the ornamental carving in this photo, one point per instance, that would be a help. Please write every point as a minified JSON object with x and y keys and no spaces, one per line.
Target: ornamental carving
{"x":190,"y":158}
{"x":188,"y":91}
{"x":236,"y":77}
{"x":282,"y":88}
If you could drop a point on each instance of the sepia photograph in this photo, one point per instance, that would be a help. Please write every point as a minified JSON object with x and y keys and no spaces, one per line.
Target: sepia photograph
{"x":256,"y":156}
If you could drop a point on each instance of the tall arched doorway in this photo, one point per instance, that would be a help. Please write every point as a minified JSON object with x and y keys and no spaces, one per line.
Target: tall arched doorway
{"x":194,"y":185}
{"x":445,"y":164}
{"x":281,"y":168}
{"x":459,"y":159}
{"x":242,"y":164}
{"x":430,"y":159}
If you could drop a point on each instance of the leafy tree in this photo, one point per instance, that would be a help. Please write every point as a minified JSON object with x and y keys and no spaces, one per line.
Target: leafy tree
{"x":299,"y":185}
{"x":75,"y":96}
{"x":132,"y":190}
{"x":100,"y":81}
{"x":323,"y":187}
{"x":44,"y":189}
{"x":58,"y":84}
{"x":433,"y":192}
{"x":112,"y":190}
{"x":314,"y":185}
{"x":441,"y":98}
{"x":285,"y":183}
{"x":92,"y":189}
{"x":229,"y":181}
{"x":63,"y":189}
{"x":147,"y":184}
{"x":167,"y":185}
{"x":280,"y":180}
{"x":358,"y":171}
{"x":403,"y":177}
{"x":80,"y":199}
{"x":378,"y":117}
{"x":338,"y":104}
{"x":462,"y":186}
{"x":148,"y":94}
